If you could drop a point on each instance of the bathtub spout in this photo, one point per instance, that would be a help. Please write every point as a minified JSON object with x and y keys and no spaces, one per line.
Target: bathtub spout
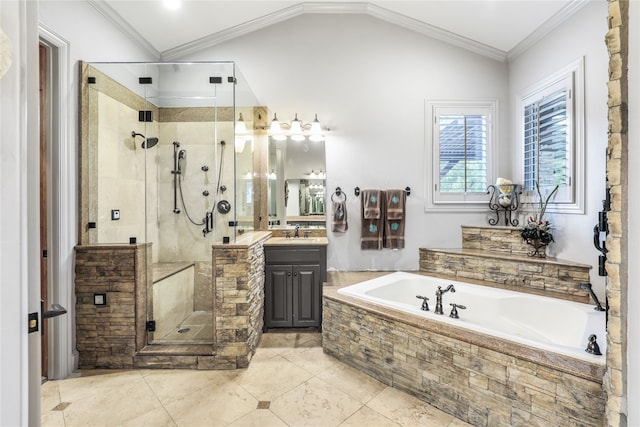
{"x":439,"y":293}
{"x":587,"y":287}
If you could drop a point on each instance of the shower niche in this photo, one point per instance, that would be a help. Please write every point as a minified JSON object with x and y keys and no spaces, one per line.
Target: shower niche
{"x":165,"y":169}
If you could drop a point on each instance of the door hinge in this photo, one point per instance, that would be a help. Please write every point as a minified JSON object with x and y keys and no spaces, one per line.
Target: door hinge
{"x":151,"y":325}
{"x":45,"y":253}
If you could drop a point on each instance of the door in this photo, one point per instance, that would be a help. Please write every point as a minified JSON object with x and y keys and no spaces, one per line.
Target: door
{"x":277,"y":296}
{"x":307,"y":294}
{"x":44,"y":231}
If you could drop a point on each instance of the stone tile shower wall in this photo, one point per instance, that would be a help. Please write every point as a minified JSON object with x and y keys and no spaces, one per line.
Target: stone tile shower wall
{"x":108,"y":336}
{"x":617,"y":41}
{"x":114,"y":335}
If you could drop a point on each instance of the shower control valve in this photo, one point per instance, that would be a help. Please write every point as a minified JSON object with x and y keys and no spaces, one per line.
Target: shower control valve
{"x":205,"y":193}
{"x":205,"y":168}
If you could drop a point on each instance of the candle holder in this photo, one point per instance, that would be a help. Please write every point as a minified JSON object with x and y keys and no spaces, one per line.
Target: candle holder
{"x":505,"y":199}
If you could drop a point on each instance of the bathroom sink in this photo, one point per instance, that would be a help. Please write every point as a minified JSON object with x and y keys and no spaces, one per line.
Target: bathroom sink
{"x":297,"y":241}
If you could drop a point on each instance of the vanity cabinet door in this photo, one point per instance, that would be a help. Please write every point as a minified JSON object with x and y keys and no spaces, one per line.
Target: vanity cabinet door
{"x":278,"y":296}
{"x":307,"y":296}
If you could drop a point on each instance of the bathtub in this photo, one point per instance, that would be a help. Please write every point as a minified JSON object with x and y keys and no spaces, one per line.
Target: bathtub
{"x":547,"y":324}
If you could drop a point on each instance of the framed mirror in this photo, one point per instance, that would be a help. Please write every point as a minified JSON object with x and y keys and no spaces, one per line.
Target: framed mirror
{"x":296,"y":185}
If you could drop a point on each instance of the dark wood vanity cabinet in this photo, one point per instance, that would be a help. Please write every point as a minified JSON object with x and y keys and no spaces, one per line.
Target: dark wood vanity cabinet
{"x":293,"y":286}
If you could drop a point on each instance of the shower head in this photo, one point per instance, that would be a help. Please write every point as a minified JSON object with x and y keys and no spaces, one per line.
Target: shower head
{"x":148,"y":142}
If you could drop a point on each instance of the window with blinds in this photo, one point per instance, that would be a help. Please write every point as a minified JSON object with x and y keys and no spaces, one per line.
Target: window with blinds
{"x":546,"y":140}
{"x":460,"y":152}
{"x":551,"y":119}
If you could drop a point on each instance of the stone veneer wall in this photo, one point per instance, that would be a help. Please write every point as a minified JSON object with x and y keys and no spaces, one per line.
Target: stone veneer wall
{"x":617,"y":40}
{"x":239,"y":301}
{"x":499,"y":255}
{"x":114,"y":336}
{"x":476,"y":384}
{"x":108,"y":335}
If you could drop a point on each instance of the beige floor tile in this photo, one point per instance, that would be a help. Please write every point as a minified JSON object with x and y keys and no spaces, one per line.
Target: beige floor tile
{"x":114,"y":401}
{"x":87,"y":386}
{"x":408,"y":410}
{"x":269,"y":378}
{"x":356,"y":384}
{"x":312,"y":359}
{"x":49,"y":396}
{"x":212,"y":406}
{"x":314,"y":403}
{"x":171,"y":385}
{"x":259,"y":418}
{"x":367,"y":417}
{"x":52,"y":419}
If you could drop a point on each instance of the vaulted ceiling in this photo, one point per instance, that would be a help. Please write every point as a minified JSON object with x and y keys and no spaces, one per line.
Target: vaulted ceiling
{"x":495,"y":28}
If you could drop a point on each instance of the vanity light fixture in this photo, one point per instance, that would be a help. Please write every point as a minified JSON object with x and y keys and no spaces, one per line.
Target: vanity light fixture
{"x":296,"y":130}
{"x":242,"y":135}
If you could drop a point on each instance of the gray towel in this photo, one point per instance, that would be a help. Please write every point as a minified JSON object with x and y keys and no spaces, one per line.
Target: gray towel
{"x":339,"y":218}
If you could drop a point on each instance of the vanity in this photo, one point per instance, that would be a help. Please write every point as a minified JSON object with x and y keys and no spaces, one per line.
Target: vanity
{"x":295,"y":270}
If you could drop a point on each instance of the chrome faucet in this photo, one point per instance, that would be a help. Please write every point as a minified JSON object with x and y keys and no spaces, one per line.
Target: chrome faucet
{"x":439,"y":293}
{"x":296,"y":232}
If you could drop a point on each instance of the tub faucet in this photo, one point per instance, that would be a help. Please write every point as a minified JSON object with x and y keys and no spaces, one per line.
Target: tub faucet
{"x":296,"y":232}
{"x":439,"y":293}
{"x":587,"y":287}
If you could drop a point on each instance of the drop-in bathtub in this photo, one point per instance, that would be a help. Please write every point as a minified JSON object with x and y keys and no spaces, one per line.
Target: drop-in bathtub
{"x":537,"y":321}
{"x":511,"y":358}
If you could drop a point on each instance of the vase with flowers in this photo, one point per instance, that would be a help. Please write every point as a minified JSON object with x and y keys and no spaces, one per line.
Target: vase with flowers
{"x":538,"y":230}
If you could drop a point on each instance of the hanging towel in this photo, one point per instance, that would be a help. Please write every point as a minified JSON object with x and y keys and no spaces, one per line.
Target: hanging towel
{"x":339,"y":223}
{"x":395,"y":201}
{"x":372,"y":204}
{"x":372,"y":229}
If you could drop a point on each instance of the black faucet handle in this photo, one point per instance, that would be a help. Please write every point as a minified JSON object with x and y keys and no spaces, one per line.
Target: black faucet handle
{"x":454,"y":310}
{"x":425,"y":304}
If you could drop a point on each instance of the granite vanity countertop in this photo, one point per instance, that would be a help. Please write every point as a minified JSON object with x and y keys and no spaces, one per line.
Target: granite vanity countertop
{"x":297,"y":241}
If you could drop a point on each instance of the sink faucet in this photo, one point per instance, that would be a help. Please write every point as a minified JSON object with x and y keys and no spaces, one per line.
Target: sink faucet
{"x":439,"y":293}
{"x":296,"y":232}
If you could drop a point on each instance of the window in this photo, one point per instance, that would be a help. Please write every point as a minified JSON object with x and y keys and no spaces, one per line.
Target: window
{"x":551,"y":143}
{"x":460,"y":141}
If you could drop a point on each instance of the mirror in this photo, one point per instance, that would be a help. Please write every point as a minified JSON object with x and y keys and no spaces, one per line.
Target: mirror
{"x":296,"y":189}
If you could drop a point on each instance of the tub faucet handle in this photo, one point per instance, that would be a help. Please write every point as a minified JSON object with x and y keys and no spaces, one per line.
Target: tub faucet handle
{"x":425,"y":304}
{"x":454,"y":310}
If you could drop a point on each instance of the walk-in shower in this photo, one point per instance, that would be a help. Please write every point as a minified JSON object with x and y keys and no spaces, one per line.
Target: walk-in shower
{"x":192,"y":191}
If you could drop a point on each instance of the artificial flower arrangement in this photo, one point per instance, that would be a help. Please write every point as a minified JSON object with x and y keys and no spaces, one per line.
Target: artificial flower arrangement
{"x":538,"y":231}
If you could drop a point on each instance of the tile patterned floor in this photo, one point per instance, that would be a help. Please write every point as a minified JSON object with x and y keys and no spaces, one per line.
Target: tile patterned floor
{"x":290,"y":382}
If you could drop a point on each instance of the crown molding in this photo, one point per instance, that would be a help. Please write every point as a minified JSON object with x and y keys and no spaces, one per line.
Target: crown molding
{"x":343,"y":8}
{"x":116,"y":20}
{"x":551,"y":24}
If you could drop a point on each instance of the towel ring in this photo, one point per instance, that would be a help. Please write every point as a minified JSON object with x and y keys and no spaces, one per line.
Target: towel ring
{"x":338,"y":193}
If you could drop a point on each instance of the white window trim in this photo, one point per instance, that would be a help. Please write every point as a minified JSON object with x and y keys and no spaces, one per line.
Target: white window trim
{"x":472,"y":203}
{"x":577,"y":156}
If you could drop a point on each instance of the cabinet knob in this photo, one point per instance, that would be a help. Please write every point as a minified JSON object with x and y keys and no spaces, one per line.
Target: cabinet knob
{"x":295,"y":274}
{"x":289,"y":273}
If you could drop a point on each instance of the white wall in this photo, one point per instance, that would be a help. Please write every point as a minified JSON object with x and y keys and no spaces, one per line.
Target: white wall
{"x":367,"y":80}
{"x":582,"y":35}
{"x":633,"y":239}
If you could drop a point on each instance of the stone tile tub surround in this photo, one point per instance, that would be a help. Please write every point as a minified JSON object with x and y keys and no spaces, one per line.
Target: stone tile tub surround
{"x":499,"y":255}
{"x":482,"y":380}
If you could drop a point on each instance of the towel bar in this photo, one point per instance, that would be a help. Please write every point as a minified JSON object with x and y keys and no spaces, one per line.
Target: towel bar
{"x":357,"y":191}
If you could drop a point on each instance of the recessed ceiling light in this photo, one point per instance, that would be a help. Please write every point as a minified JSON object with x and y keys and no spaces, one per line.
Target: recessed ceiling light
{"x":172,"y":4}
